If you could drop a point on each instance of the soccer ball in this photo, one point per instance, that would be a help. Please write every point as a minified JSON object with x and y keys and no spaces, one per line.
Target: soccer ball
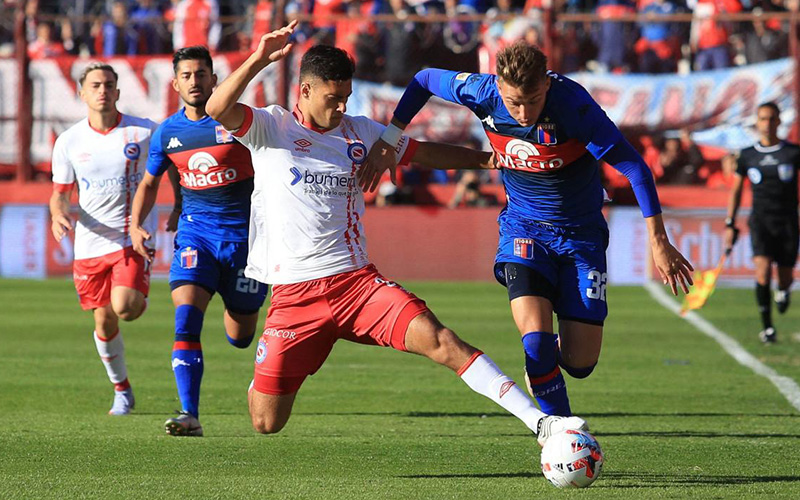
{"x":572,"y":459}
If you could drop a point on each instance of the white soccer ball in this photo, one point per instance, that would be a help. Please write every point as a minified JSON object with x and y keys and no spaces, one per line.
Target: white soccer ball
{"x":572,"y":459}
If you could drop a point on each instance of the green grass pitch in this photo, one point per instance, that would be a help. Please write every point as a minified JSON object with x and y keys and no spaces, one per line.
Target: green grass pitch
{"x":676,"y":416}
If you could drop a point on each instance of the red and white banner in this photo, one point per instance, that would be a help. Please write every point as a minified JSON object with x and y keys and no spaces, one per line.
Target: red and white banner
{"x":145,"y":91}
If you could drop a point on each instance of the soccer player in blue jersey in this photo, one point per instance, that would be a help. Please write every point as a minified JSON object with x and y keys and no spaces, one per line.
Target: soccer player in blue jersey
{"x":216,"y":176}
{"x":547,"y":134}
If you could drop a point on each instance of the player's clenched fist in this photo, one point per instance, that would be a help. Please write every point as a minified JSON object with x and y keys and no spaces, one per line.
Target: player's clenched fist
{"x":138,"y":237}
{"x":61,"y":226}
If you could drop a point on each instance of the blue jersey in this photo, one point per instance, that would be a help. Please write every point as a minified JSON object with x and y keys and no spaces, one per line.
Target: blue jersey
{"x":549,"y":170}
{"x":216,"y":175}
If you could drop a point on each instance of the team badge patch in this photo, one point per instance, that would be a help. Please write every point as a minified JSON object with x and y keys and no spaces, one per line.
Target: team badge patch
{"x":357,"y":152}
{"x":132,"y":151}
{"x":785,"y":172}
{"x":523,"y":248}
{"x":462,"y":76}
{"x":223,"y":136}
{"x":546,"y":133}
{"x":261,"y":352}
{"x":189,"y":258}
{"x":754,"y":175}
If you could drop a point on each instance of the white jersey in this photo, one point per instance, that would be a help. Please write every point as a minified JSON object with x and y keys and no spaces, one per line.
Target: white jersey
{"x":107,"y":168}
{"x":305,"y":217}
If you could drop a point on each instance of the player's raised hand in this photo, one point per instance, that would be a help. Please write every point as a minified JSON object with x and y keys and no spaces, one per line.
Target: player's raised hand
{"x":273,"y":46}
{"x":138,"y":237}
{"x":61,"y":226}
{"x":381,"y":158}
{"x":672,"y":266}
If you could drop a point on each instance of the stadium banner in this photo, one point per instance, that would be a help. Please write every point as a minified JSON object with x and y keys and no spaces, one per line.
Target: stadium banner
{"x":28,"y":249}
{"x":718,"y":105}
{"x":145,"y":84}
{"x":420,"y":243}
{"x":698,"y":234}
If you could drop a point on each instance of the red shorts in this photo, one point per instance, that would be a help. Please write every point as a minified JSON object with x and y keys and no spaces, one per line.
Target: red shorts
{"x":306,"y":319}
{"x":94,"y":278}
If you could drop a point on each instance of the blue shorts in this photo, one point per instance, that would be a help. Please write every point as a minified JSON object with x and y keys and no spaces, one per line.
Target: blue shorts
{"x":573,"y":261}
{"x":216,"y":266}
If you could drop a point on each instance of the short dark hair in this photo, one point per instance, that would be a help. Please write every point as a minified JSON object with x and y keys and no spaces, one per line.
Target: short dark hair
{"x":771,"y":105}
{"x":327,"y":63}
{"x":522,"y":65}
{"x":193,"y":53}
{"x":97,"y":66}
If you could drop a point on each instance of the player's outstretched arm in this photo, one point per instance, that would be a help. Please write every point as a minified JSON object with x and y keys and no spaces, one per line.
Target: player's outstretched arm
{"x":671,"y":265}
{"x":59,"y":214}
{"x":143,"y":203}
{"x":449,"y":157}
{"x":381,"y":156}
{"x":223,"y":106}
{"x":731,"y":232}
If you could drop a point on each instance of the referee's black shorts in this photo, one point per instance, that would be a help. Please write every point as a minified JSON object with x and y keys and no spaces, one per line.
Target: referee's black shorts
{"x":776,"y":238}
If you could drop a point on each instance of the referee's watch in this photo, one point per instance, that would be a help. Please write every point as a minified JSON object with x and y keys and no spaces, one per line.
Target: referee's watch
{"x":729,"y":222}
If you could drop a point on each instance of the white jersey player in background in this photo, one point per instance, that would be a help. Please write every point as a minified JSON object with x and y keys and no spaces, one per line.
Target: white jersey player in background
{"x":307,"y":240}
{"x":105,"y":156}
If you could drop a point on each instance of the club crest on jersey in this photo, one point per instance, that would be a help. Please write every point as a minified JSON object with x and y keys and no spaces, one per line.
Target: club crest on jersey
{"x":223,"y":136}
{"x":546,"y":133}
{"x":357,"y":152}
{"x":132,"y":151}
{"x":754,"y":175}
{"x":189,"y":258}
{"x":785,"y":172}
{"x":261,"y":352}
{"x":523,"y":248}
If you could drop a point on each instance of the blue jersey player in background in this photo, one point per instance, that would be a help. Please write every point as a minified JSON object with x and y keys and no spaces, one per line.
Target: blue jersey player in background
{"x":547,"y":134}
{"x":216,"y":177}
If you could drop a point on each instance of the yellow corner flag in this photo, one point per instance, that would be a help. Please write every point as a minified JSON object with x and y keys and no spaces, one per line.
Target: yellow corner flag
{"x":704,"y":283}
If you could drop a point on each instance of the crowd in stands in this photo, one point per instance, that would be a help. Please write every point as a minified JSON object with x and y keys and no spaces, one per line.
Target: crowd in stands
{"x":394,"y":50}
{"x":128,"y":27}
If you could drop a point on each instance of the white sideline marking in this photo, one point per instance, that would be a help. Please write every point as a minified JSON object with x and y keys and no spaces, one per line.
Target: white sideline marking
{"x":787,"y":386}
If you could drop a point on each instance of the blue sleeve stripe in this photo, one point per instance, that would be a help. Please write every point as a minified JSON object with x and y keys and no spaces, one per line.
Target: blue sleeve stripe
{"x":427,"y":82}
{"x":627,"y":161}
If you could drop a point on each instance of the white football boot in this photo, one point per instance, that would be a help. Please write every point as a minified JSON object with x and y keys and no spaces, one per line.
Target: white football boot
{"x":551,"y":425}
{"x":123,"y":402}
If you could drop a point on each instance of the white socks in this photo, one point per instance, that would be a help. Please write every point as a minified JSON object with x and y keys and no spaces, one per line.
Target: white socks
{"x":112,"y":352}
{"x":484,"y":377}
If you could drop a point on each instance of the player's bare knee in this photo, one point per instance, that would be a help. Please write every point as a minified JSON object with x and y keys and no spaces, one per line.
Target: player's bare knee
{"x":129,"y":311}
{"x":266,"y":425}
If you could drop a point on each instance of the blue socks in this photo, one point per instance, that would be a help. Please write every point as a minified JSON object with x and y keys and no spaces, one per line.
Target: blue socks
{"x":187,"y":356}
{"x":547,"y":382}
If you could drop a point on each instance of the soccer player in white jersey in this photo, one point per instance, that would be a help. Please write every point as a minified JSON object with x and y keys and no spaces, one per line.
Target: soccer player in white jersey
{"x":105,"y":156}
{"x":307,"y":240}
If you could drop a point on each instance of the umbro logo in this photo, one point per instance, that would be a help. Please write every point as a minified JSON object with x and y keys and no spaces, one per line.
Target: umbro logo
{"x":303,"y":145}
{"x":174,"y":143}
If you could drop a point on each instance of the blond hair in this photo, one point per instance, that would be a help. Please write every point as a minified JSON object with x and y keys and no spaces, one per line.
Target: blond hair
{"x":522,"y":65}
{"x":95,"y":66}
